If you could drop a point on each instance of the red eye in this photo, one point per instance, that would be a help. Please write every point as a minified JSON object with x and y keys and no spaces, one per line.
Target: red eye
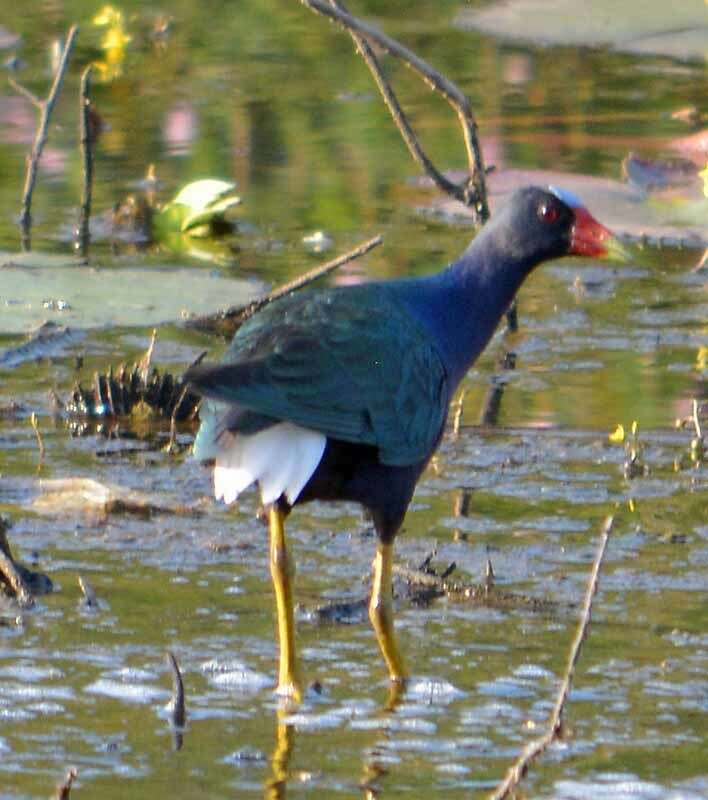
{"x":548,"y":213}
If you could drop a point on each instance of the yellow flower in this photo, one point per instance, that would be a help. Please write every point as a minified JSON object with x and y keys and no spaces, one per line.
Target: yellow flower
{"x":113,"y":43}
{"x":704,"y":174}
{"x":108,"y":15}
{"x":618,"y":434}
{"x":702,"y":356}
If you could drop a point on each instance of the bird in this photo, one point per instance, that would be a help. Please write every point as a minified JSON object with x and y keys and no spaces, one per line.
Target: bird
{"x":342,"y":393}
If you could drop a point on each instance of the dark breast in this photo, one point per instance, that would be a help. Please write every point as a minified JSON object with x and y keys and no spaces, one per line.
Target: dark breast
{"x":353,"y":472}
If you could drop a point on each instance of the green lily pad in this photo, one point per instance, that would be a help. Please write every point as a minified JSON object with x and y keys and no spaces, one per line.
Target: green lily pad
{"x":678,"y":30}
{"x":89,"y":297}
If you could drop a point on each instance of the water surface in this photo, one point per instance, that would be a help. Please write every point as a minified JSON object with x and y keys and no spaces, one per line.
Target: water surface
{"x":276,"y":99}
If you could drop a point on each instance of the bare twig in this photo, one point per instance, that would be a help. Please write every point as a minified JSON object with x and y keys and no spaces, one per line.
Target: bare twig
{"x":485,"y":593}
{"x":459,"y":407}
{"x":313,"y":275}
{"x":536,"y":747}
{"x":492,"y":402}
{"x":25,"y":92}
{"x":391,"y":101}
{"x":10,"y":575}
{"x":90,"y":601}
{"x":472,"y":192}
{"x":703,"y":261}
{"x":695,"y":418}
{"x":489,"y":414}
{"x":146,"y":361}
{"x":178,"y":714}
{"x":489,"y":576}
{"x":46,"y":106}
{"x":64,"y":789}
{"x":463,"y":501}
{"x":86,"y":139}
{"x":40,"y":441}
{"x":512,"y":318}
{"x":171,"y":446}
{"x":423,"y":584}
{"x":227,"y":321}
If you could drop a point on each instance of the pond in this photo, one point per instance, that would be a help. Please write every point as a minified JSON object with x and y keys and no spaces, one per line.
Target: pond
{"x":275,"y":99}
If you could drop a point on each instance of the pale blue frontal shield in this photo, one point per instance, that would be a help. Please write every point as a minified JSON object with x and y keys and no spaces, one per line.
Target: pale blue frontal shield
{"x":567,"y":197}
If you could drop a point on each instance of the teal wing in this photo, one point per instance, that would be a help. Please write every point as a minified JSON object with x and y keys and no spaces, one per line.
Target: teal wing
{"x":351,"y":363}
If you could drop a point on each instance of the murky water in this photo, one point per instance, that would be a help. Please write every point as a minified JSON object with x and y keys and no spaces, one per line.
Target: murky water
{"x":311,"y":148}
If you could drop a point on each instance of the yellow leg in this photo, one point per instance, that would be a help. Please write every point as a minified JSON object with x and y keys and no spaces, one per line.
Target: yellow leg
{"x":282,"y":571}
{"x":381,"y":612}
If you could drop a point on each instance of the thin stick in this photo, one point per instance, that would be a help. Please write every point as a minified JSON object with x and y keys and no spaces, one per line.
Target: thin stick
{"x":695,"y":418}
{"x":457,"y":417}
{"x":702,"y":261}
{"x":40,"y":442}
{"x":25,"y":92}
{"x":86,"y":139}
{"x":46,"y":106}
{"x":536,"y":747}
{"x":313,"y":275}
{"x":89,"y":593}
{"x":64,"y":789}
{"x":178,"y":713}
{"x":146,"y":361}
{"x":171,"y":446}
{"x":473,"y":192}
{"x":399,"y":117}
{"x":10,"y":575}
{"x":512,"y":318}
{"x":238,"y":314}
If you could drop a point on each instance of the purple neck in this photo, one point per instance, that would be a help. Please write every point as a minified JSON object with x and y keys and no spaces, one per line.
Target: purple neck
{"x":462,"y":305}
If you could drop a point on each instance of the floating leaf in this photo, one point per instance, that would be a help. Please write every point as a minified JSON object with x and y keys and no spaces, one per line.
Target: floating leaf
{"x":676,"y":30}
{"x":104,"y":297}
{"x":198,"y":206}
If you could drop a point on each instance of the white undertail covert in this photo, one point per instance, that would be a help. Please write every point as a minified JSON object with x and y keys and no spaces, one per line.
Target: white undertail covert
{"x":281,"y":459}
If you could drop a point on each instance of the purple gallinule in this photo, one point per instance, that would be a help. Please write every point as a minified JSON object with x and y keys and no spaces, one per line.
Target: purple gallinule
{"x":342,"y":393}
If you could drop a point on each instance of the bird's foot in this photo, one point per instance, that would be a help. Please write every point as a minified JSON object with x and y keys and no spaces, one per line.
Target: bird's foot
{"x":396,"y":693}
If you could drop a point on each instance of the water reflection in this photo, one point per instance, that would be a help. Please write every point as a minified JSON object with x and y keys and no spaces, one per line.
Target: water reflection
{"x":373,"y":766}
{"x":594,"y":348}
{"x":276,"y":785}
{"x":180,"y":129}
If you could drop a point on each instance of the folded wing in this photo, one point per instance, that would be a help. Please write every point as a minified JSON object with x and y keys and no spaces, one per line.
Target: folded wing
{"x":349,"y":363}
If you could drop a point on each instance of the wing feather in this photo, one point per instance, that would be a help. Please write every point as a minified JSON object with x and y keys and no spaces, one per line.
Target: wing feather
{"x":350,"y":363}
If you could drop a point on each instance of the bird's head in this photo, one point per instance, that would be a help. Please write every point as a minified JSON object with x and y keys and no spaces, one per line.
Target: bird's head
{"x":551,"y":223}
